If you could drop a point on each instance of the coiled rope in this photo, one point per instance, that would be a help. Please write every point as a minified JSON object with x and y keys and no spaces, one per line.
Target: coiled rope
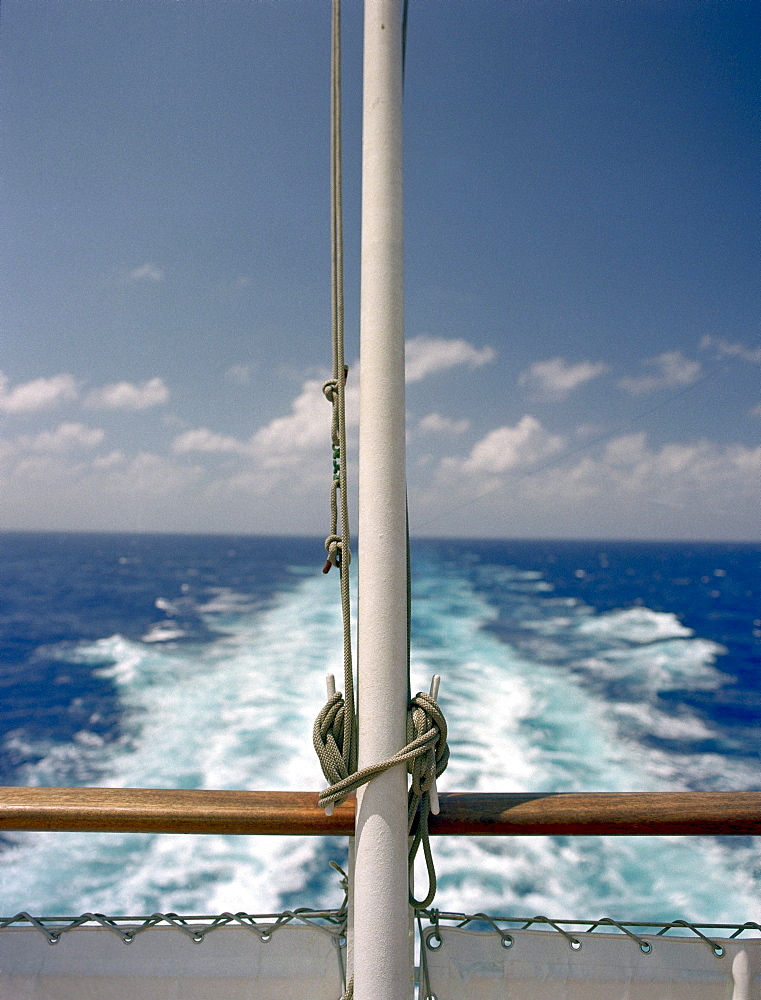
{"x":425,"y":756}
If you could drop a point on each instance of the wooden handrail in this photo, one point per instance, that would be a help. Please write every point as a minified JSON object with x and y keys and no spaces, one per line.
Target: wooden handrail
{"x":153,"y":810}
{"x":623,"y":813}
{"x":158,"y":810}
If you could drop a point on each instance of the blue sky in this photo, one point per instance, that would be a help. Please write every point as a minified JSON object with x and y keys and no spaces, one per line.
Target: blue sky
{"x":582,"y":293}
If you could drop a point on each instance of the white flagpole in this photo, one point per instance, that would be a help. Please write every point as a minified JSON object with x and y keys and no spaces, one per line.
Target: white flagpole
{"x":382,"y":954}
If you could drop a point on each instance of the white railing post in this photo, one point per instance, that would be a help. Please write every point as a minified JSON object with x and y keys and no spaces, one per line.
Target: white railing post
{"x":382,"y":954}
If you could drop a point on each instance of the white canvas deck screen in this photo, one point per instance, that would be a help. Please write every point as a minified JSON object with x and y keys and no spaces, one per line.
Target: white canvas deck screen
{"x":231,"y":963}
{"x":542,"y":965}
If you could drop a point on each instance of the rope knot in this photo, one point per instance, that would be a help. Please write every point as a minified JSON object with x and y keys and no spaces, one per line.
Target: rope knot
{"x":426,"y":722}
{"x":425,"y":756}
{"x":330,"y":390}
{"x":334,"y":547}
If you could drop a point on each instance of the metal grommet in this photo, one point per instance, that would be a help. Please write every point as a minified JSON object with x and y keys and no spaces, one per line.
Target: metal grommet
{"x":265,"y":936}
{"x":198,"y":936}
{"x":575,"y":944}
{"x":507,"y":941}
{"x":645,"y":947}
{"x":718,"y":951}
{"x":54,"y":938}
{"x":128,"y":938}
{"x":433,"y":942}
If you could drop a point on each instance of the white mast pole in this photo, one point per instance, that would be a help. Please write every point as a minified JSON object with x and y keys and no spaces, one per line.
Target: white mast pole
{"x":382,"y":954}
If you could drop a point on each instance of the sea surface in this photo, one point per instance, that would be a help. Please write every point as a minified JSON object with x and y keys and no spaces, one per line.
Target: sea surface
{"x":199,"y":662}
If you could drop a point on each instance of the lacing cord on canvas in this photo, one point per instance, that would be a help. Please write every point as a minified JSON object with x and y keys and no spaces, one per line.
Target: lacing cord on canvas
{"x":196,"y":928}
{"x":333,"y":922}
{"x":574,"y":931}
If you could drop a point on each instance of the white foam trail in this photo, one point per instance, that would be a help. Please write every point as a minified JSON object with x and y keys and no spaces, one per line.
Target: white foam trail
{"x":163,"y":632}
{"x":635,"y":625}
{"x":521,"y":724}
{"x":237,"y":713}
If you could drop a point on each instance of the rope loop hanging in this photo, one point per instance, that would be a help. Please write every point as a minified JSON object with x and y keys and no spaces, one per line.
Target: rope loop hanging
{"x":425,"y":720}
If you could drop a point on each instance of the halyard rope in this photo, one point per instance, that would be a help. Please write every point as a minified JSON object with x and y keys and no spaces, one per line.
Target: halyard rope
{"x":338,"y":545}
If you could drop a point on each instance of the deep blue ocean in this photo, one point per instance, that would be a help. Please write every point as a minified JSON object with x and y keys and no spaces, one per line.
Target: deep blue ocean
{"x":199,"y":662}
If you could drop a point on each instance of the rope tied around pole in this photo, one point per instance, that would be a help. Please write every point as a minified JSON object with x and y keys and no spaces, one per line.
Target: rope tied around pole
{"x":425,"y":756}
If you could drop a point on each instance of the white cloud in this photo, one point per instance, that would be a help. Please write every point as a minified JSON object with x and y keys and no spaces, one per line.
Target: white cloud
{"x":109,"y":461}
{"x":39,"y":394}
{"x":555,"y":378}
{"x":725,"y":348}
{"x":288,"y":458}
{"x":128,"y":396}
{"x":626,"y":488}
{"x":46,"y":490}
{"x":65,"y":437}
{"x":146,"y":272}
{"x":306,"y":430}
{"x":434,"y":423}
{"x":508,"y":448}
{"x":240,"y":374}
{"x":204,"y":440}
{"x":679,"y":472}
{"x":625,"y":451}
{"x":295,"y":442}
{"x":150,"y":478}
{"x":426,"y":355}
{"x":670,"y":369}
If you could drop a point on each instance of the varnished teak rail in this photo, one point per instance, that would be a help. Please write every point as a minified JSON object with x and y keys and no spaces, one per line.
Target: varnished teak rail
{"x":150,"y":810}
